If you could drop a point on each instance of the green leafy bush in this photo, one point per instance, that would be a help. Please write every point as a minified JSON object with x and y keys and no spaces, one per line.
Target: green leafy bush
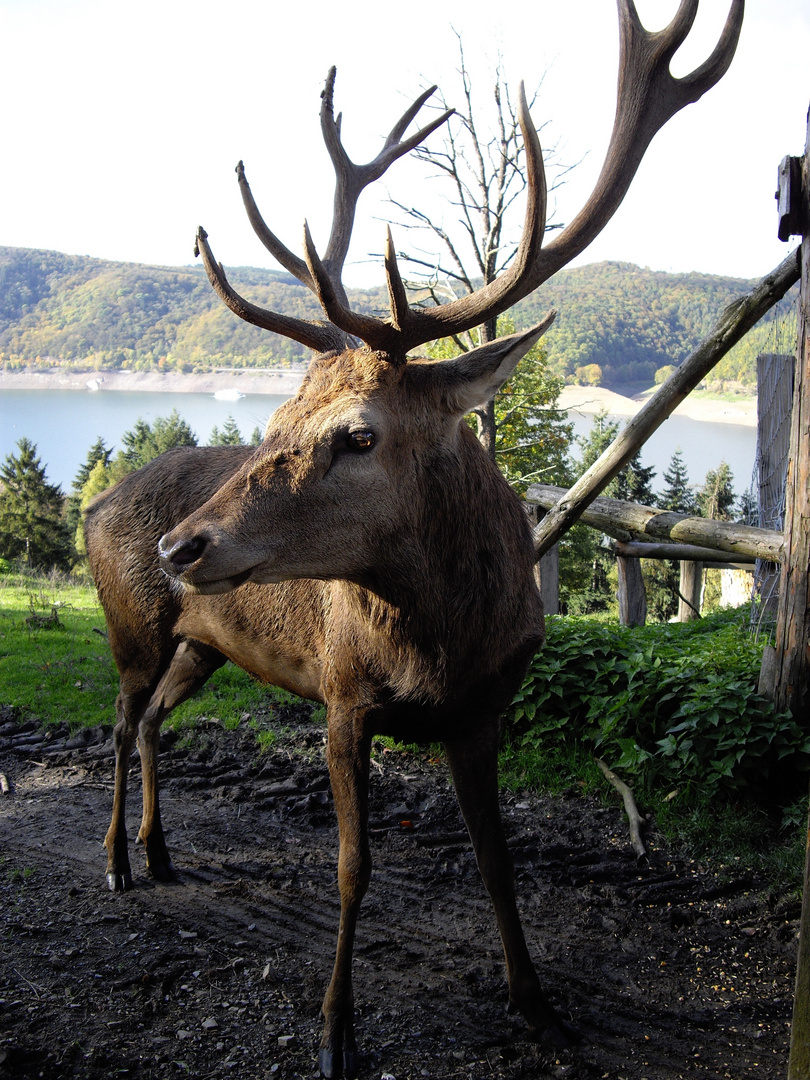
{"x":671,"y":703}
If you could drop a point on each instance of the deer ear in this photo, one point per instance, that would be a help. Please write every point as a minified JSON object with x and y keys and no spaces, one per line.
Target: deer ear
{"x":475,"y":377}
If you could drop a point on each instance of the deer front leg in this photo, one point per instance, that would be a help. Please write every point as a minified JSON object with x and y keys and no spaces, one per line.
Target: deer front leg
{"x":191,"y":666}
{"x":347,"y":754}
{"x":474,"y":767}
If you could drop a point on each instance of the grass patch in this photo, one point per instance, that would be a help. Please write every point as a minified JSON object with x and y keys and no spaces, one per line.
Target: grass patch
{"x":229,"y":696}
{"x":54,"y":665}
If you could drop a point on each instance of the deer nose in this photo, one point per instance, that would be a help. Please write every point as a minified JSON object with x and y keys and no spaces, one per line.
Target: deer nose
{"x":181,"y":554}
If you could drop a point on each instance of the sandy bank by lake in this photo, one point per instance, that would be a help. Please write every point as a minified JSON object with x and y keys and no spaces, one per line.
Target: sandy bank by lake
{"x":592,"y":399}
{"x":585,"y":399}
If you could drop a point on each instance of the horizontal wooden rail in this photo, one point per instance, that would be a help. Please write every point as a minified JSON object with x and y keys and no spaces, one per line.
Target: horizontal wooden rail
{"x":682,"y":552}
{"x":628,"y":522}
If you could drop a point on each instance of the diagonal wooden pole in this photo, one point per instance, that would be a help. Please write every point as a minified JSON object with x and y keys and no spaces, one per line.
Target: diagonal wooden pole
{"x":734,"y":322}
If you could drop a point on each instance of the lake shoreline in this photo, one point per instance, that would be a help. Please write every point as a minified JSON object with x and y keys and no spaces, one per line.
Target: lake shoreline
{"x":589,"y":400}
{"x":278,"y":382}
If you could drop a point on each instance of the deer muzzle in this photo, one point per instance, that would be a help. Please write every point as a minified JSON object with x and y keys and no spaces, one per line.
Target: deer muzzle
{"x":176,"y":558}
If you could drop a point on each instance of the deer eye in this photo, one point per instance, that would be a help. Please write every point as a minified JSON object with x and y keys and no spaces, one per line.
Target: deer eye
{"x":360,"y":441}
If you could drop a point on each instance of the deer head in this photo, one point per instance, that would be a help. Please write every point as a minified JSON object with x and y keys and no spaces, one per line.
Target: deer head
{"x":370,"y":421}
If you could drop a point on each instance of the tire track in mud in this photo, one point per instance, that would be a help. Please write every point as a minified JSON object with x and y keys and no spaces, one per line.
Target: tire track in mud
{"x":669,"y":971}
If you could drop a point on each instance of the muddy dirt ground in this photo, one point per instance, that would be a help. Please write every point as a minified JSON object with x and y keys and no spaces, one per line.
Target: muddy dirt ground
{"x":674,"y":969}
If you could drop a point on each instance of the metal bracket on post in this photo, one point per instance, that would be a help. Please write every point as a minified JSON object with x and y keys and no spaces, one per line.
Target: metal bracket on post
{"x":789,"y":198}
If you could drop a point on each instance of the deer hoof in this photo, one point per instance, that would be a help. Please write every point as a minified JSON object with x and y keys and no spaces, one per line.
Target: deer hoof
{"x":334,"y":1065}
{"x":559,"y":1034}
{"x":161,"y":871}
{"x":119,"y":882}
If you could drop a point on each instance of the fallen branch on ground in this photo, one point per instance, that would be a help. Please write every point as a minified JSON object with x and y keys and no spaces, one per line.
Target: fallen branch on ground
{"x":633,"y":816}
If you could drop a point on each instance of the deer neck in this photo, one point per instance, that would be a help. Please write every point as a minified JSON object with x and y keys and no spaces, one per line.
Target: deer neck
{"x":456,"y":597}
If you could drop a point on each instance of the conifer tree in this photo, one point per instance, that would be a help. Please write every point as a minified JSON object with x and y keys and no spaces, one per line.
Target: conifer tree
{"x":716,"y":498}
{"x":97,"y":481}
{"x":662,"y":576}
{"x":146,"y":441}
{"x":73,"y":503}
{"x":32,"y":524}
{"x":678,"y":495}
{"x":97,"y":452}
{"x":229,"y":436}
{"x":634,"y":482}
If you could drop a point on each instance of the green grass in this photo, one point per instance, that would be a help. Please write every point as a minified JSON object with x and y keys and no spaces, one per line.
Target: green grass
{"x":56,"y":666}
{"x":229,"y":695}
{"x":53,"y":664}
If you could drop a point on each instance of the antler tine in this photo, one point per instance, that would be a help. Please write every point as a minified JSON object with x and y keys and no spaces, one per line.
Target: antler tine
{"x":713,"y":69}
{"x":351,"y":179}
{"x":516,"y":282}
{"x":400,"y":309}
{"x":402,"y":125}
{"x":280,"y":252}
{"x":374,"y":332}
{"x":322,"y":337}
{"x":672,"y":36}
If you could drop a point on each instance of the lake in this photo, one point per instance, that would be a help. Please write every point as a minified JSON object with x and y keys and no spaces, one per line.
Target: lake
{"x":64,"y":424}
{"x":703,"y":445}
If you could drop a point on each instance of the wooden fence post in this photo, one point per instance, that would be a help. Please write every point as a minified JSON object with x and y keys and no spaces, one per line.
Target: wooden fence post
{"x":775,"y":384}
{"x":547,"y":569}
{"x":793,"y":617}
{"x":691,"y":587}
{"x":632,"y":595}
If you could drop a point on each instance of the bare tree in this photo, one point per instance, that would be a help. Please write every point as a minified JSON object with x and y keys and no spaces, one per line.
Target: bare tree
{"x":486,"y":176}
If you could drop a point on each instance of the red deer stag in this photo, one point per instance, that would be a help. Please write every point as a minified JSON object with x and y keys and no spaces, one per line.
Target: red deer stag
{"x":368,"y":554}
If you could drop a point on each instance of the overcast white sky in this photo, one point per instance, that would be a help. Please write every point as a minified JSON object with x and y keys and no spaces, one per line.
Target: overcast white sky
{"x":122,"y":122}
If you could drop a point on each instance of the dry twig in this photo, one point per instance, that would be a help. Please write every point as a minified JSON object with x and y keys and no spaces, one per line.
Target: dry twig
{"x":633,"y":816}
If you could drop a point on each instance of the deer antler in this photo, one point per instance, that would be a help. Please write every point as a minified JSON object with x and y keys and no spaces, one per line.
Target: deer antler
{"x":648,"y":96}
{"x":350,"y":181}
{"x":321,"y":336}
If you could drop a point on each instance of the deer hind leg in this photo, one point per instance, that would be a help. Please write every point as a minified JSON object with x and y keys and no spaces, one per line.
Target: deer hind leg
{"x":474,"y":767}
{"x":348,"y":758}
{"x":127,"y":711}
{"x":190,"y":667}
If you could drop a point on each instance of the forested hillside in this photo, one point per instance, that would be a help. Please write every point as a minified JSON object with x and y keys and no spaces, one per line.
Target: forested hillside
{"x":629,"y":322}
{"x":617,"y":324}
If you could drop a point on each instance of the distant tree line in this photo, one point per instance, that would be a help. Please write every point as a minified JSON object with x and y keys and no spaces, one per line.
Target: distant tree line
{"x":617,"y":325}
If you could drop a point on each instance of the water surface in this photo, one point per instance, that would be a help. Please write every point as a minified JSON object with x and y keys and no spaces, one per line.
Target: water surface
{"x":64,"y":424}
